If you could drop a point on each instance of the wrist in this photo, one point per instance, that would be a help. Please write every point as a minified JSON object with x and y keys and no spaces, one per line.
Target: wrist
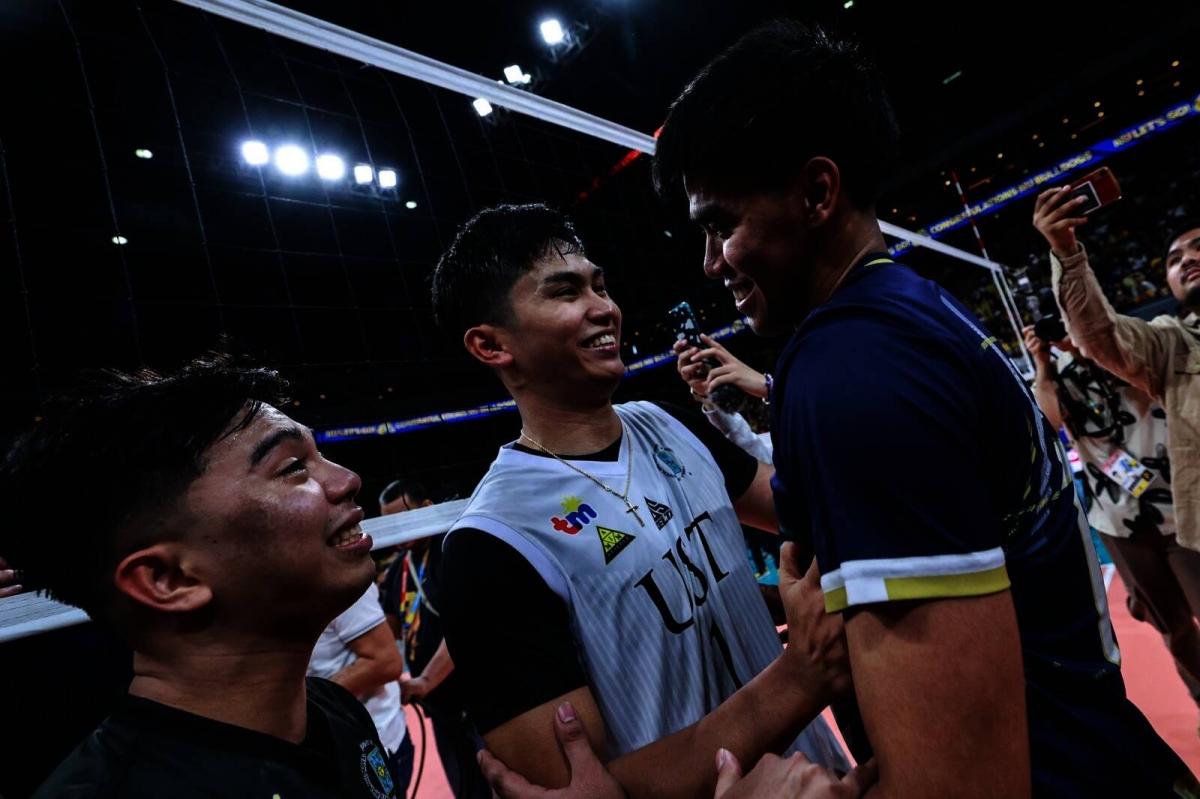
{"x":1065,"y":250}
{"x":802,"y":681}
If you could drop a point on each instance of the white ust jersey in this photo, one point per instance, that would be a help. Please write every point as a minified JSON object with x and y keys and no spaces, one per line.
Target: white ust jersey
{"x":667,"y":616}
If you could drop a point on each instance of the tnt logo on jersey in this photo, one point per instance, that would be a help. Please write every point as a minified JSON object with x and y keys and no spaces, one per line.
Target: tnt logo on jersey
{"x":577,"y":512}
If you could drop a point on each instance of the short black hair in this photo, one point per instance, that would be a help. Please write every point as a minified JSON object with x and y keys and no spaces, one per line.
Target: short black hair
{"x":129,"y":446}
{"x":472,"y":281}
{"x":413,"y":489}
{"x":783,"y":94}
{"x":1178,"y":230}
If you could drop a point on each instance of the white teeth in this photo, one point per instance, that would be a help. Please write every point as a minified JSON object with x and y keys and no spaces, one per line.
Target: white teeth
{"x":739,"y":292}
{"x":347,"y":537}
{"x":601,"y":341}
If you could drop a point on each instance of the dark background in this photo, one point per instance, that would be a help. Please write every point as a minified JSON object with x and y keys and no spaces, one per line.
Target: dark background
{"x":329,"y":283}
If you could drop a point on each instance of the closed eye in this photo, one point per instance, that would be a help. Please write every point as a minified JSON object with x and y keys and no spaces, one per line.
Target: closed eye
{"x":295,"y":466}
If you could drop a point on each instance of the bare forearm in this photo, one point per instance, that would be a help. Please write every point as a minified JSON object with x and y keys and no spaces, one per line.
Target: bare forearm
{"x":764,"y":716}
{"x":364,"y":676}
{"x":1046,"y":394}
{"x":438,"y":668}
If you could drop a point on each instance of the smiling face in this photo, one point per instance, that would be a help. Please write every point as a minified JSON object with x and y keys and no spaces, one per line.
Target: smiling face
{"x":564,"y":333}
{"x":775,"y":249}
{"x":1183,"y":268}
{"x":273,"y":528}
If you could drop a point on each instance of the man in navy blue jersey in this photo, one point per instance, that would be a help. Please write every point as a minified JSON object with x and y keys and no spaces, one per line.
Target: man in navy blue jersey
{"x":983,"y":658}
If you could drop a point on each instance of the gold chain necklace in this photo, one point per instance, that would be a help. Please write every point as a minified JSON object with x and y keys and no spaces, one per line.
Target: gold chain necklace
{"x":624,"y":497}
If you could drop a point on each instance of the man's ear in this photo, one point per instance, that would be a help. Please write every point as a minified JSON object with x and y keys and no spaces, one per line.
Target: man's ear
{"x":819,"y":184}
{"x":157,"y":578}
{"x":486,"y":345}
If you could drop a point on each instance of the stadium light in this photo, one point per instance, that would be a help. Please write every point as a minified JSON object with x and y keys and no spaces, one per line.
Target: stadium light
{"x":330,"y":167}
{"x":482,"y":106}
{"x":142,"y":153}
{"x":255,"y":153}
{"x":849,"y":4}
{"x":291,"y":160}
{"x":387,"y":179}
{"x":363,"y":173}
{"x":119,"y":240}
{"x":411,"y":204}
{"x":552,"y":31}
{"x":515,"y":74}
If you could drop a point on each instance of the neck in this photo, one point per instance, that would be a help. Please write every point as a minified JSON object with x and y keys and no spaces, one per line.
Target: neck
{"x":262,"y":690}
{"x":855,"y":238}
{"x":566,"y":429}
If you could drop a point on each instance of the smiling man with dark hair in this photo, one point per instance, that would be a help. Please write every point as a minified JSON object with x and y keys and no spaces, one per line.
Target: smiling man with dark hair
{"x":612,"y":533}
{"x":983,"y":658}
{"x":214,"y":539}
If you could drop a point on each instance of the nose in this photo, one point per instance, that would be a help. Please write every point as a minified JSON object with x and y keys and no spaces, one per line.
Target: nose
{"x":714,"y":257}
{"x":602,"y":310}
{"x":341,"y":484}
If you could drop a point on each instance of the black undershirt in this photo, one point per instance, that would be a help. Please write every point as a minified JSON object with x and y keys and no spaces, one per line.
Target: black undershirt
{"x":508,"y":633}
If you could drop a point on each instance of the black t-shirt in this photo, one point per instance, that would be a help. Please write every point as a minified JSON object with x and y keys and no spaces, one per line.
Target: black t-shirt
{"x":425,"y":640}
{"x":149,"y":749}
{"x":510,"y":634}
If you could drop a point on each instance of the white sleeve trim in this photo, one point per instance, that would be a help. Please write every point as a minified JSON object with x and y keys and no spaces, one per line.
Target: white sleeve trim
{"x":536,"y":557}
{"x":865,"y":580}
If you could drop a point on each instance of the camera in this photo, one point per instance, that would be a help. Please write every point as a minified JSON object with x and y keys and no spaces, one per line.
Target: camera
{"x":1048,"y":325}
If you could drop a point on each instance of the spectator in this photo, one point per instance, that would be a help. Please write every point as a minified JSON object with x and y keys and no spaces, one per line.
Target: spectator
{"x":413,"y":596}
{"x":1160,"y":357}
{"x":732,"y":371}
{"x":1106,"y":419}
{"x":213,"y":537}
{"x":358,"y":652}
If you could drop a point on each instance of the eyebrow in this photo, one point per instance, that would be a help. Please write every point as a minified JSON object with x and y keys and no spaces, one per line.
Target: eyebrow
{"x":1178,"y":250}
{"x":571,"y":276}
{"x":264,"y":447}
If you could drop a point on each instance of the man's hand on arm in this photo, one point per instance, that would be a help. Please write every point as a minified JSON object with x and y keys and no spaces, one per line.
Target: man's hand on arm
{"x":790,"y":778}
{"x":941,"y":688}
{"x":764,"y":716}
{"x":377,"y":662}
{"x":434,"y":674}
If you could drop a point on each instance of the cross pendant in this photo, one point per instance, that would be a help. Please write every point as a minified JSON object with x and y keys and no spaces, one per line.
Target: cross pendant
{"x":634,"y":510}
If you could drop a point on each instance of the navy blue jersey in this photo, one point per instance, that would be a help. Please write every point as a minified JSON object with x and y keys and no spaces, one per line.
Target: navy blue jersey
{"x":912,"y":457}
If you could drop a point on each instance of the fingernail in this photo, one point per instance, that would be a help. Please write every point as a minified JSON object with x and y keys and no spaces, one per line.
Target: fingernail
{"x":722,"y":758}
{"x":479,"y":757}
{"x":566,"y":713}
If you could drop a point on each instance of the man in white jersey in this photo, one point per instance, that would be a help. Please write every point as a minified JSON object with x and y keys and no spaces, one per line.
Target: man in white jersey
{"x":604,"y":545}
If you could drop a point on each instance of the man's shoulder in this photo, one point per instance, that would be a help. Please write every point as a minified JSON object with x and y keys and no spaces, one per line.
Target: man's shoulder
{"x":335,"y":701}
{"x":103,"y":765}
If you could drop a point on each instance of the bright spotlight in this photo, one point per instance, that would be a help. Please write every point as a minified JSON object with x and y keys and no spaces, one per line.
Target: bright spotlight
{"x":482,"y":106}
{"x":411,"y":204}
{"x":143,"y":153}
{"x":515,"y":74}
{"x":363,"y":173}
{"x":119,"y":240}
{"x":330,"y":167}
{"x":552,"y":32}
{"x":291,"y":160}
{"x":255,"y":153}
{"x":387,"y":179}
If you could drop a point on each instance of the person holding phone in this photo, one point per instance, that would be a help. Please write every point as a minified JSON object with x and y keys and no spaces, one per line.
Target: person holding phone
{"x":1107,"y":419}
{"x":1160,"y":357}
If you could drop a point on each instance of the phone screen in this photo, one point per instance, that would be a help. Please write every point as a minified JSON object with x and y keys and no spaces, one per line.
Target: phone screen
{"x":1087,"y":191}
